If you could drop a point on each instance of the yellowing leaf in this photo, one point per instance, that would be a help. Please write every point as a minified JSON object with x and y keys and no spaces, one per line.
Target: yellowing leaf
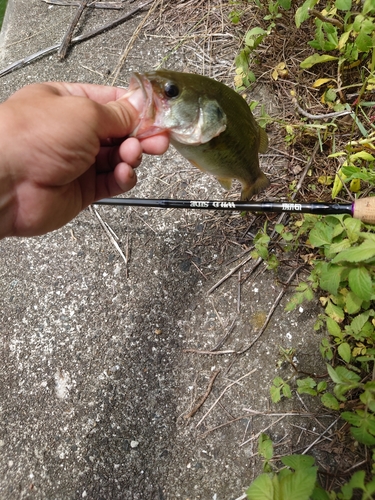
{"x":337,"y":185}
{"x":326,"y":180}
{"x":280,"y":71}
{"x":321,"y":81}
{"x":355,"y":185}
{"x":238,"y":81}
{"x":343,"y":39}
{"x":309,"y":62}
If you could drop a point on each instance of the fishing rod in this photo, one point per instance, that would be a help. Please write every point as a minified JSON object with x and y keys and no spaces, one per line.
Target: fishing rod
{"x":362,"y":209}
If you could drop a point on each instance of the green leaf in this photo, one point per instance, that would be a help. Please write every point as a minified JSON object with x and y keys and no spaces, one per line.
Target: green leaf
{"x":286,"y":391}
{"x":363,"y":42}
{"x":347,"y":376}
{"x":298,"y":462}
{"x":261,"y":488}
{"x":334,"y":376}
{"x":299,"y":485}
{"x":352,"y":418}
{"x":360,"y":282}
{"x":335,"y":312}
{"x":362,"y":252}
{"x":275,"y":394}
{"x":352,"y":303}
{"x":330,"y":277}
{"x":333,"y":328}
{"x":321,"y":235}
{"x":285,"y":4}
{"x":309,"y":62}
{"x":358,"y":480}
{"x":358,"y":323}
{"x":368,"y":6}
{"x":353,"y":228}
{"x":362,"y":436}
{"x":345,"y":352}
{"x":343,"y":4}
{"x":306,"y":386}
{"x":320,"y":494}
{"x":329,"y":401}
{"x":362,"y":155}
{"x":322,"y":386}
{"x":302,"y":12}
{"x":265,"y":446}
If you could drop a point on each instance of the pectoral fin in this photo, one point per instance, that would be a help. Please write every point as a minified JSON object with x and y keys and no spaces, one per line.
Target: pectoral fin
{"x":248,"y":190}
{"x":195,"y":164}
{"x":225,"y":182}
{"x":263,"y":140}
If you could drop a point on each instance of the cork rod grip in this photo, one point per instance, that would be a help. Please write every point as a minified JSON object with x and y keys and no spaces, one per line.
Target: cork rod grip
{"x":364,"y":210}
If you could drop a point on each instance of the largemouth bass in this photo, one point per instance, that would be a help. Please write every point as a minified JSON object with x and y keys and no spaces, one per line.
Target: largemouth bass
{"x":209,"y":124}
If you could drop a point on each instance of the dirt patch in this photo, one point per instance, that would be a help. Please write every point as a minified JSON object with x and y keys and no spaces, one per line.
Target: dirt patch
{"x":100,"y":361}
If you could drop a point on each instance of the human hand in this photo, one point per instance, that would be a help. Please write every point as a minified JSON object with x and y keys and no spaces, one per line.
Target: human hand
{"x":64,"y":146}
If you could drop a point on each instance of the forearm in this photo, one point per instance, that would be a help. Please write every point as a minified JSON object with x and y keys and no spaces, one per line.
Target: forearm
{"x":7,"y":203}
{"x":7,"y":175}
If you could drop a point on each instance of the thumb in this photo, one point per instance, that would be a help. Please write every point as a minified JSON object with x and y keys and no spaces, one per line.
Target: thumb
{"x":119,"y":118}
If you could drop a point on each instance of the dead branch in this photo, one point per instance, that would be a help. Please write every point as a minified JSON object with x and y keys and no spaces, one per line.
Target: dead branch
{"x":96,"y":5}
{"x":63,"y":49}
{"x":81,"y":38}
{"x":325,"y":19}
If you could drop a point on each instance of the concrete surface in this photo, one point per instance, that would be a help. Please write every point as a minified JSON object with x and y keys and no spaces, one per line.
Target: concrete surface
{"x":95,"y":378}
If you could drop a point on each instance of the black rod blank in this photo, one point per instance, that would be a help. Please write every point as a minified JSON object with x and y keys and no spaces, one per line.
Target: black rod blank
{"x":243,"y":206}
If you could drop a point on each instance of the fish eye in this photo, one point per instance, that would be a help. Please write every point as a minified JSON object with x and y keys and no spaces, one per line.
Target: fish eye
{"x":171,"y":90}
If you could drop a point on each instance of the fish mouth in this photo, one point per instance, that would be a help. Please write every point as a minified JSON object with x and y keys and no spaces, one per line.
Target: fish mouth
{"x":147,"y":125}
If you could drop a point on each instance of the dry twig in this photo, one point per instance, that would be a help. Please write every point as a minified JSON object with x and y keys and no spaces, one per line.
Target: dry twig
{"x":205,"y":395}
{"x":222,"y":394}
{"x":108,"y":232}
